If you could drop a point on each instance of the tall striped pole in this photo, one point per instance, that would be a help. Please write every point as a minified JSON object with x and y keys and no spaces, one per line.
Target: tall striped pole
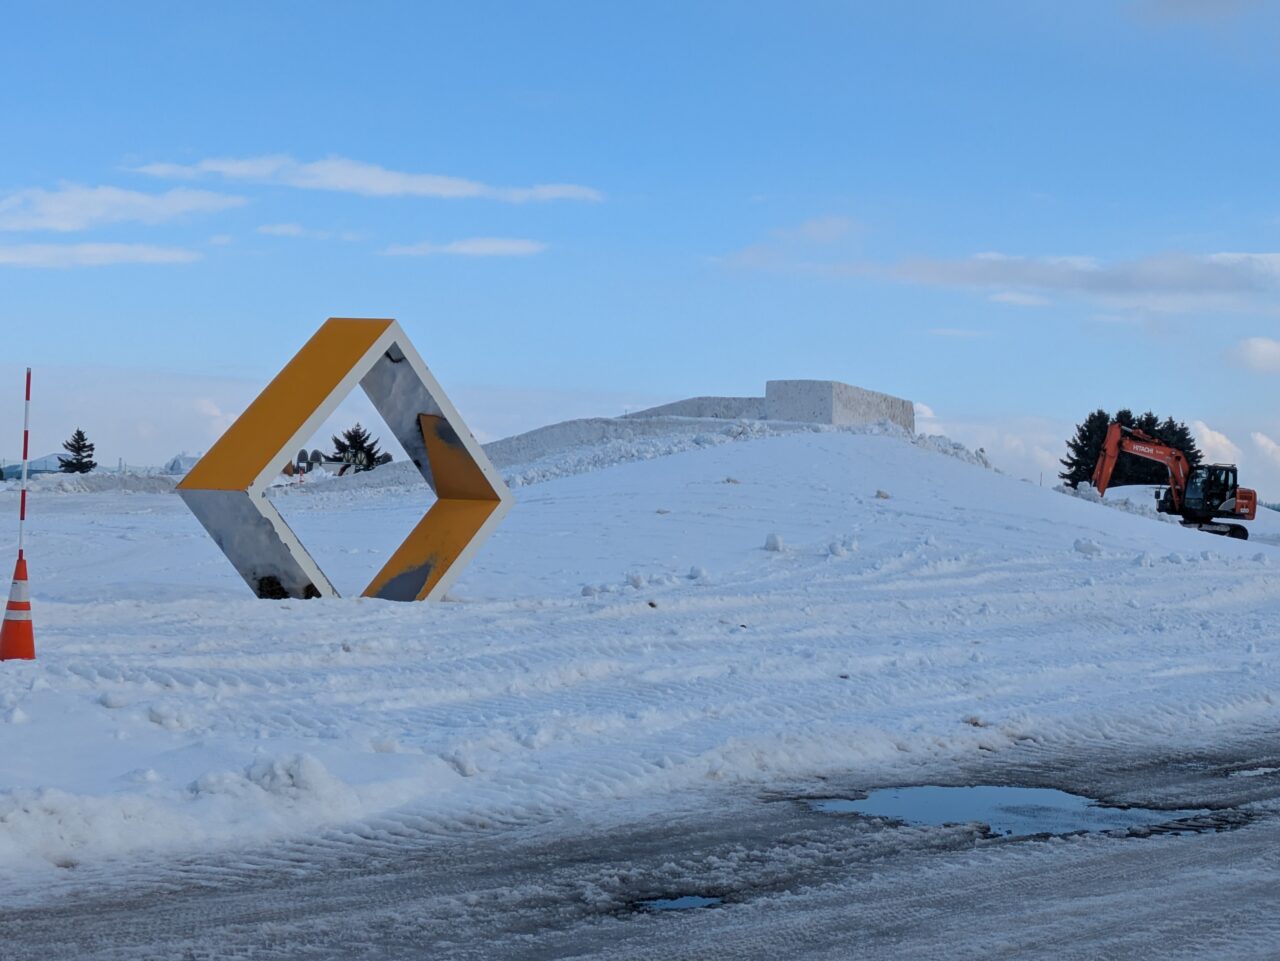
{"x":26,"y":453}
{"x":17,"y":639}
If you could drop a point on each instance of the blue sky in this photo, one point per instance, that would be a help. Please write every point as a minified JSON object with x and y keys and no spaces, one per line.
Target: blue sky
{"x":1011,"y":213}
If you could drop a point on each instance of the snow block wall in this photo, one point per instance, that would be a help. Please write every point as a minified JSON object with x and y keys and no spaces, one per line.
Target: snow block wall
{"x":831,"y":402}
{"x":723,"y":408}
{"x":802,"y":401}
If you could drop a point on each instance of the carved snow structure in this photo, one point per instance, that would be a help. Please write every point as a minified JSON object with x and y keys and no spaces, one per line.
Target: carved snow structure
{"x":801,"y":401}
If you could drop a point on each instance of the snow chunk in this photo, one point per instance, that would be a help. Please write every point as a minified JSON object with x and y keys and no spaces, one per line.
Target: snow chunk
{"x":1118,"y":498}
{"x":168,"y":717}
{"x":774,"y":543}
{"x":1087,"y":546}
{"x":16,"y":716}
{"x":300,"y":774}
{"x":462,"y":763}
{"x":843,"y":546}
{"x":945,"y":445}
{"x":294,"y":777}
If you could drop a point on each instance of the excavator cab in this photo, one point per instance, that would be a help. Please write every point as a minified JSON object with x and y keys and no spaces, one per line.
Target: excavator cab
{"x":1211,"y":490}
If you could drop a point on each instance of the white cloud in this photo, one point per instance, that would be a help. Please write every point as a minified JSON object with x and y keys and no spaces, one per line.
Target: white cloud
{"x":1165,"y":282}
{"x":91,"y":255}
{"x":755,"y":257}
{"x":216,"y":420}
{"x":297,"y":230}
{"x":471,"y":247}
{"x":1258,"y":353}
{"x":1198,"y":9}
{"x":74,"y":207}
{"x":282,"y":230}
{"x":1018,"y":298}
{"x":1159,"y":285}
{"x":1217,"y":447}
{"x":1117,"y":320}
{"x":1027,"y":447}
{"x":781,"y":250}
{"x":1267,"y":447}
{"x":818,"y":230}
{"x":355,"y":176}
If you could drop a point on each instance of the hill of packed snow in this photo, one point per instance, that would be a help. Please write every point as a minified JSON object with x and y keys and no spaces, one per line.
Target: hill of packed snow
{"x":693,"y":604}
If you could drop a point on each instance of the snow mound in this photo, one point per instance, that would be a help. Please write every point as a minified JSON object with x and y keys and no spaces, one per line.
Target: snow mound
{"x":591,"y":444}
{"x":1118,"y":498}
{"x":582,"y":446}
{"x":945,"y":445}
{"x":96,"y":483}
{"x":269,"y":797}
{"x":394,"y":476}
{"x":558,"y":450}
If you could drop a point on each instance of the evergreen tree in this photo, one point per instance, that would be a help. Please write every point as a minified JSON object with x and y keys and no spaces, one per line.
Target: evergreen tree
{"x":356,"y":447}
{"x":81,"y":460}
{"x":1083,"y":449}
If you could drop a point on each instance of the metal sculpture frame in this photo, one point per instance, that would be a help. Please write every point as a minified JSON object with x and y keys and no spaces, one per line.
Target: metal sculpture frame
{"x":226,"y":489}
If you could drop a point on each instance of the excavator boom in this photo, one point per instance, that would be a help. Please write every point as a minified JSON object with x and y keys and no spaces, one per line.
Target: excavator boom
{"x":1126,"y":440}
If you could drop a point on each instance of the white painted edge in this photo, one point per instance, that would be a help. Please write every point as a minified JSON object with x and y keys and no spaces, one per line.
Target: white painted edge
{"x":394,"y":335}
{"x":451,"y":415}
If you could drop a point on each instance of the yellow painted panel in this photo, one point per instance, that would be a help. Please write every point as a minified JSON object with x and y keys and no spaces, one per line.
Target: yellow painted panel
{"x":430,"y":549}
{"x":454,"y":470}
{"x":263,"y":430}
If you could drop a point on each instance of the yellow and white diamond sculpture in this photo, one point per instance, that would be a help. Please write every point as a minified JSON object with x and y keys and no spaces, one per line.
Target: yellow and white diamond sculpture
{"x":226,"y":490}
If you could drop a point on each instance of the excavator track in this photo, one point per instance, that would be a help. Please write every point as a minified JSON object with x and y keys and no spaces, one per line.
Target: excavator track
{"x":1236,"y":531}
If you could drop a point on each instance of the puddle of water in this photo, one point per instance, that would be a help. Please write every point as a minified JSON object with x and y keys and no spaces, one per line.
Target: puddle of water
{"x":1009,"y":811}
{"x":682,"y":903}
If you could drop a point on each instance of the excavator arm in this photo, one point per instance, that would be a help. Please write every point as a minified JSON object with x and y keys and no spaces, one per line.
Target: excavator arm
{"x":1125,"y":440}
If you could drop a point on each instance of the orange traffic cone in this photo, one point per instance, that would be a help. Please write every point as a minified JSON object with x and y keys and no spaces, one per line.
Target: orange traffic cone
{"x":17,"y":639}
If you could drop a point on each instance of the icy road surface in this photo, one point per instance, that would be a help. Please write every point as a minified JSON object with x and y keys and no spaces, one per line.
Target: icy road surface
{"x":625,"y":659}
{"x":779,"y":879}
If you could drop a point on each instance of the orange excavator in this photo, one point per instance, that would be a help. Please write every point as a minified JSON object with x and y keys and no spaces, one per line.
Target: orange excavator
{"x":1200,"y":496}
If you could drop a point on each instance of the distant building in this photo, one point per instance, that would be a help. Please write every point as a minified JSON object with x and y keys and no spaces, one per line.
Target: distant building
{"x":12,"y":470}
{"x":182,"y":463}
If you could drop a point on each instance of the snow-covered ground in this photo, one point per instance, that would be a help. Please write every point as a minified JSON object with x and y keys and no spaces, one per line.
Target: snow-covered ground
{"x":624,"y":635}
